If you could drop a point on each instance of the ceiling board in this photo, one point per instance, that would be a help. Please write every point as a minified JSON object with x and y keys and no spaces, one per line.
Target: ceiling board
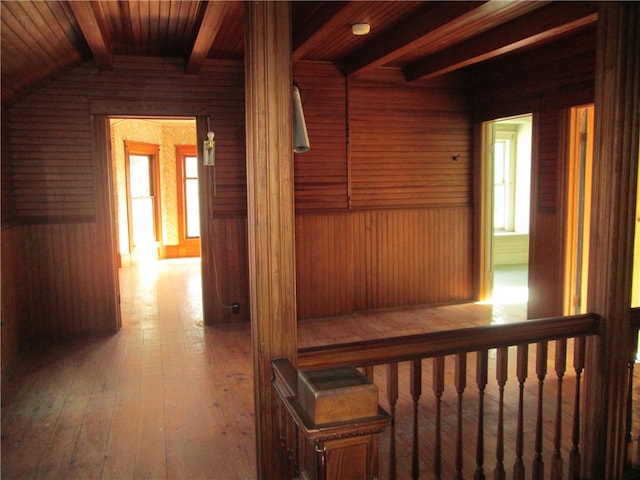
{"x":40,"y":39}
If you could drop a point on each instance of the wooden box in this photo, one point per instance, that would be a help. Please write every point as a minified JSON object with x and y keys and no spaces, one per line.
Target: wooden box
{"x":336,"y":394}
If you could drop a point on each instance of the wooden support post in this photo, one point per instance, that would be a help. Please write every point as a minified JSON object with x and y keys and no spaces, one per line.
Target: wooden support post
{"x":615,"y":166}
{"x":268,"y":88}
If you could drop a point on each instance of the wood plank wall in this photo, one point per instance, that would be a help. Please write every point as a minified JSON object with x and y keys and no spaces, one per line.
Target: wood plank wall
{"x":12,"y":296}
{"x":403,"y":141}
{"x":59,"y":189}
{"x":396,"y":227}
{"x":321,"y":174}
{"x":546,"y":81}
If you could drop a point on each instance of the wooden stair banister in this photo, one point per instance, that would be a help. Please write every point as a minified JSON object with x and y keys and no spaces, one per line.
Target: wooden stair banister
{"x":333,"y":448}
{"x":428,"y":345}
{"x":447,"y":443}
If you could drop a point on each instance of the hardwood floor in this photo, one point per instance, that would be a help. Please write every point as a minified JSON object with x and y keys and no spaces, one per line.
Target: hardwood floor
{"x":165,"y":397}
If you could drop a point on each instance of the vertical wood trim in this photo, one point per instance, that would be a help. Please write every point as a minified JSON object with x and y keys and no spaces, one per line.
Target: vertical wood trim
{"x":617,"y":103}
{"x":482,"y":219}
{"x":347,"y":106}
{"x":107,"y":259}
{"x":189,"y":246}
{"x":270,"y":211}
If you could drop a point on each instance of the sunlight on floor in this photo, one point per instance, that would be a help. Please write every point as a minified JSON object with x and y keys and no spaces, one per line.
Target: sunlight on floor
{"x":510,"y":292}
{"x":510,"y":295}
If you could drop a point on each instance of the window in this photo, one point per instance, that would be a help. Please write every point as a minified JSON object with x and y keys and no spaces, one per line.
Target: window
{"x":504,"y":184}
{"x":188,"y":196}
{"x":191,"y":204}
{"x":143,"y":199}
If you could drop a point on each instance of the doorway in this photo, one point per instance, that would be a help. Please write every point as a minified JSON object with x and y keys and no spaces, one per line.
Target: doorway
{"x":581,"y":128}
{"x":156,"y":205}
{"x":507,"y":187}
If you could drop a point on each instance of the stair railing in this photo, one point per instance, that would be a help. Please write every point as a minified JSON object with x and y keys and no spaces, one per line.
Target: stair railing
{"x":511,"y":424}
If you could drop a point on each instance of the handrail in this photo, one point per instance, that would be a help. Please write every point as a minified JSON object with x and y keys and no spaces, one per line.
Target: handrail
{"x":398,"y":349}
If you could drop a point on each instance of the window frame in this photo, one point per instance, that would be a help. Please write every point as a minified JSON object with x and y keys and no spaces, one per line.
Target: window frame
{"x":182,"y":152}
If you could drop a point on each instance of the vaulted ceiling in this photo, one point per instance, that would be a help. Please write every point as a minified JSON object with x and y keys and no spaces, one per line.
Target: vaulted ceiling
{"x":423,"y":39}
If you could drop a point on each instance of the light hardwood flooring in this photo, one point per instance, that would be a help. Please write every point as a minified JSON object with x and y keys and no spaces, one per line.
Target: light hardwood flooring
{"x":165,"y":397}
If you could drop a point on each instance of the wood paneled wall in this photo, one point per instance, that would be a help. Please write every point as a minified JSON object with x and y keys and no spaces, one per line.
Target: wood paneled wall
{"x":402,"y":234}
{"x":13,"y":296}
{"x":403,"y":241}
{"x":7,"y":197}
{"x":66,"y":282}
{"x":60,"y":183}
{"x":403,"y":141}
{"x":227,"y":272}
{"x":545,"y":81}
{"x":321,"y":174}
{"x":384,"y":258}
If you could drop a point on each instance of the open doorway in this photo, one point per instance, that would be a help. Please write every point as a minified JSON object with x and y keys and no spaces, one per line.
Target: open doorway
{"x":155,"y":171}
{"x":156,"y":201}
{"x":578,"y":201}
{"x":508,"y":191}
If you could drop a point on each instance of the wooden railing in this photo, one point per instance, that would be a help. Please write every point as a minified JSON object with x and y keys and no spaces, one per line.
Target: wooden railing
{"x":633,"y":414}
{"x":509,"y":425}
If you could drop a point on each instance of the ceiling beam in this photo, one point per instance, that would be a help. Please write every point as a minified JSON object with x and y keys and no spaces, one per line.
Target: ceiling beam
{"x":430,"y":24}
{"x":209,"y":28}
{"x":94,"y":28}
{"x":324,"y":19}
{"x":541,"y":25}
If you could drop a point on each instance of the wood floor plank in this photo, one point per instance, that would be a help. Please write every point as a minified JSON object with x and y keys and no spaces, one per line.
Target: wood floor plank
{"x":120,"y":457}
{"x":89,"y":452}
{"x":59,"y":452}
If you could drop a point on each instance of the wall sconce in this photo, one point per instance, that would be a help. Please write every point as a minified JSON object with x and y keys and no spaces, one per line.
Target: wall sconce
{"x":209,"y":150}
{"x":300,"y":137}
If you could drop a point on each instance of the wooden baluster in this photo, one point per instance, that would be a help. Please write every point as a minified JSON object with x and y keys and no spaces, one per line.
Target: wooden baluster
{"x":560,"y":366}
{"x":368,"y":372}
{"x":541,"y":372}
{"x":438,"y":390}
{"x":628,"y":438}
{"x":297,"y":448}
{"x":392,"y":396}
{"x":482,"y":361}
{"x":629,"y":460}
{"x":521,"y":372}
{"x":502,"y":361}
{"x":578,"y":365}
{"x":461,"y":384}
{"x":416,"y":391}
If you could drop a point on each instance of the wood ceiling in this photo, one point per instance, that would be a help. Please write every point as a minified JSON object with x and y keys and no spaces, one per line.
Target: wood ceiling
{"x":424,"y":39}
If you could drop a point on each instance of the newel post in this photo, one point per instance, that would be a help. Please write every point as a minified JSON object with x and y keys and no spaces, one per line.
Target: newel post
{"x":270,"y":213}
{"x":611,"y":249}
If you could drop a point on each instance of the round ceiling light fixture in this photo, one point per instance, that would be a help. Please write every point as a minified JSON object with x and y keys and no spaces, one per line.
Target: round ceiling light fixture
{"x":360,"y":28}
